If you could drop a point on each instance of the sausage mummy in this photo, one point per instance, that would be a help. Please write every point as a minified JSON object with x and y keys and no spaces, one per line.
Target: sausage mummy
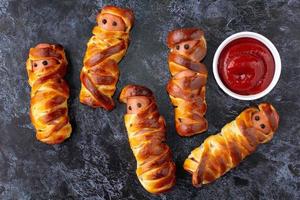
{"x":46,"y":67}
{"x":105,"y":49}
{"x":187,"y":85}
{"x":221,"y":152}
{"x":147,"y":135}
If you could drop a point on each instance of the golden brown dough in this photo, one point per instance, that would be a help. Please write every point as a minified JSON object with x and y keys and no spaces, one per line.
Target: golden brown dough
{"x":147,"y":135}
{"x":46,"y":67}
{"x":221,"y":152}
{"x":187,"y":85}
{"x":105,"y":49}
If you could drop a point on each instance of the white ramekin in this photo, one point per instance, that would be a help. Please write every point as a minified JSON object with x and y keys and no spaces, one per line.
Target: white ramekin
{"x":270,"y":46}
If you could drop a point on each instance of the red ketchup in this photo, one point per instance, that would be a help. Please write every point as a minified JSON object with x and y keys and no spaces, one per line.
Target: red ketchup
{"x":246,"y":66}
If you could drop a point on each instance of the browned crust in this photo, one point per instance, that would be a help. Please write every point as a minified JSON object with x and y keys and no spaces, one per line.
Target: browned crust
{"x":194,"y":66}
{"x":192,"y":129}
{"x":184,"y":34}
{"x":104,"y":101}
{"x":99,"y":74}
{"x":53,"y":115}
{"x":182,"y":88}
{"x":197,"y":176}
{"x":101,"y":56}
{"x":50,"y":52}
{"x":134,"y":90}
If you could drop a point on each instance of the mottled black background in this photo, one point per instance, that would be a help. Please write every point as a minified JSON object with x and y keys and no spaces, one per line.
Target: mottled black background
{"x":96,"y":162}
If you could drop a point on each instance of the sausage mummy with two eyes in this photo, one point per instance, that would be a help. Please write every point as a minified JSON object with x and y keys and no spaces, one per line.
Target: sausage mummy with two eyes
{"x":105,"y":49}
{"x":187,"y":85}
{"x":147,"y":135}
{"x":46,"y":67}
{"x":221,"y":152}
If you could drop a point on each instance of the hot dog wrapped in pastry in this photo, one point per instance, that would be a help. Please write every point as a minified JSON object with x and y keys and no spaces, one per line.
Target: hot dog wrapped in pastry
{"x":187,"y":85}
{"x":221,"y":152}
{"x":147,"y":135}
{"x":46,"y":67}
{"x":105,"y":49}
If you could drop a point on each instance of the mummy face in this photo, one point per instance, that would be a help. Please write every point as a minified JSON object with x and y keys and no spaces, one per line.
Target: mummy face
{"x":185,"y":47}
{"x":136,"y":104}
{"x":194,"y":49}
{"x":111,"y":22}
{"x":42,"y":64}
{"x":261,"y":122}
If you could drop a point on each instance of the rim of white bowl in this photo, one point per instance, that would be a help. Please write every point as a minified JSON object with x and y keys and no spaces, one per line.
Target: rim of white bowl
{"x":270,"y":46}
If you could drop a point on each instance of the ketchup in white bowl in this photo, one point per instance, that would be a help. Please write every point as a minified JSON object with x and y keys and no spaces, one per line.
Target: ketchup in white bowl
{"x":247,"y":66}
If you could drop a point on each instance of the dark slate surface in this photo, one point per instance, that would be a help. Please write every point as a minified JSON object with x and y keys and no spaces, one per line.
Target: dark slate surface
{"x":96,"y":162}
